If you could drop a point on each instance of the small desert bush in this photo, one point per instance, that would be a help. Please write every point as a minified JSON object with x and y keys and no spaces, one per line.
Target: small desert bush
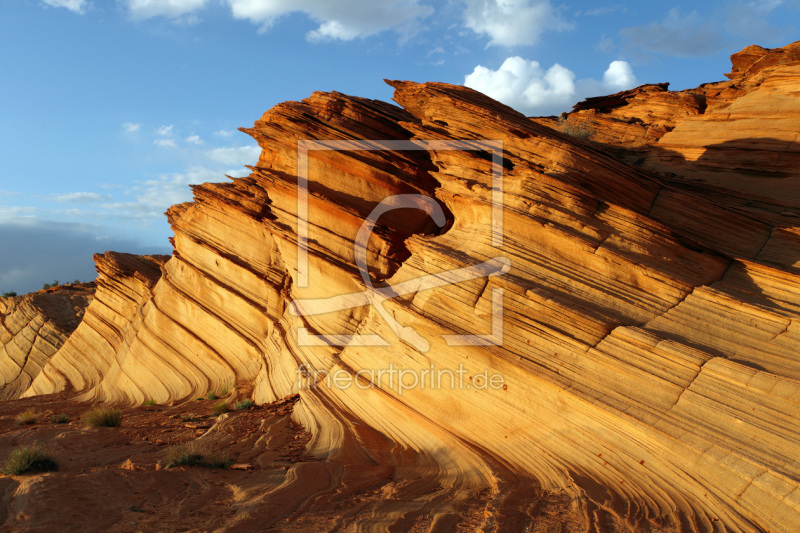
{"x":579,"y":130}
{"x":247,"y":403}
{"x":60,"y":419}
{"x":211,"y":395}
{"x":195,"y":454}
{"x":221,"y":408}
{"x":26,"y":418}
{"x":149,"y":402}
{"x":29,"y":458}
{"x":109,"y":417}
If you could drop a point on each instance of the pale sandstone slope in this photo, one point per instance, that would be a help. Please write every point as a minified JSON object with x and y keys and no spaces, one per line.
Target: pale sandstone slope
{"x":32,"y":328}
{"x":650,"y":351}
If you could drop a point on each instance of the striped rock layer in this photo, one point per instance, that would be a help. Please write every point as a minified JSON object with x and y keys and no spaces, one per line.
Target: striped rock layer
{"x":628,"y":338}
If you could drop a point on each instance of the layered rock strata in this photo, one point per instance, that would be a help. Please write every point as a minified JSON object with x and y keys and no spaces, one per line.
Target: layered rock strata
{"x":124,"y":284}
{"x":32,"y":329}
{"x":628,"y":338}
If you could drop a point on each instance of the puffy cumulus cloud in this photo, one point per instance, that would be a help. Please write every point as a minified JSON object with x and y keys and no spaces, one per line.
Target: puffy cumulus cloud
{"x":240,"y":155}
{"x":80,"y":197}
{"x":512,"y":22}
{"x":527,"y":87}
{"x":679,"y":34}
{"x":194,"y":139}
{"x":131,"y":127}
{"x":344,"y":20}
{"x":76,"y":6}
{"x":174,"y":9}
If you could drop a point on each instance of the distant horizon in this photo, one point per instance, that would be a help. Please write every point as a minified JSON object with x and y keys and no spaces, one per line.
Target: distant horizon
{"x":115,"y":109}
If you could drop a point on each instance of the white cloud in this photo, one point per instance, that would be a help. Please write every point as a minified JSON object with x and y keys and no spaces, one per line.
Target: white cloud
{"x":682,"y":35}
{"x":512,"y":22}
{"x":342,"y":20}
{"x":525,"y":86}
{"x":194,"y":139}
{"x":174,"y":9}
{"x":241,"y":155}
{"x":76,"y":6}
{"x":223,"y":133}
{"x":153,"y":197}
{"x":165,"y":143}
{"x":164,"y":130}
{"x":131,"y":127}
{"x":80,"y":197}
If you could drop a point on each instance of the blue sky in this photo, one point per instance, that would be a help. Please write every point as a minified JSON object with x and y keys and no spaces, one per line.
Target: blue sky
{"x":111,"y":108}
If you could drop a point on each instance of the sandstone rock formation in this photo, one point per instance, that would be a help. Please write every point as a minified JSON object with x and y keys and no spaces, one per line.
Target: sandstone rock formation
{"x":625,"y":337}
{"x":32,"y":328}
{"x":124,"y":283}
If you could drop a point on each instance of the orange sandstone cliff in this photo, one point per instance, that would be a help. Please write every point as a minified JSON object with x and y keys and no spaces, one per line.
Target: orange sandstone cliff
{"x":33,"y":327}
{"x":626,"y":334}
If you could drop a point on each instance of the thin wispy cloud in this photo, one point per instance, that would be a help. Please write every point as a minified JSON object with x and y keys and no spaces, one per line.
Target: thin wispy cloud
{"x":76,"y":6}
{"x":240,"y":155}
{"x":194,"y":139}
{"x":165,"y":143}
{"x":131,"y":127}
{"x":338,"y":21}
{"x":80,"y":197}
{"x":164,"y":130}
{"x":181,"y":10}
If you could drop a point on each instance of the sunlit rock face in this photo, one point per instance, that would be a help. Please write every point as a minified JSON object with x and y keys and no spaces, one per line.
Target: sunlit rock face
{"x":541,"y":313}
{"x":32,"y":329}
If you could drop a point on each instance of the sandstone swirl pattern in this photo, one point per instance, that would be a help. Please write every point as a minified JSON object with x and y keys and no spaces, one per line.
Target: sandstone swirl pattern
{"x":32,"y":329}
{"x":651,"y":313}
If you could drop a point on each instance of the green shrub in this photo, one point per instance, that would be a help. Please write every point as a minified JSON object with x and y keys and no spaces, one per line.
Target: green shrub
{"x":149,"y":402}
{"x":26,"y":418}
{"x":60,"y":419}
{"x":9,"y":293}
{"x":579,"y":130}
{"x":194,"y":453}
{"x":104,"y":417}
{"x":211,"y":395}
{"x":247,"y":403}
{"x":221,"y":408}
{"x":189,"y":454}
{"x":29,"y":458}
{"x":55,"y":283}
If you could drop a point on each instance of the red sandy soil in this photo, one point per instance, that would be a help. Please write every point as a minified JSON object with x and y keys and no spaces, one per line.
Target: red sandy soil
{"x":112,"y":479}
